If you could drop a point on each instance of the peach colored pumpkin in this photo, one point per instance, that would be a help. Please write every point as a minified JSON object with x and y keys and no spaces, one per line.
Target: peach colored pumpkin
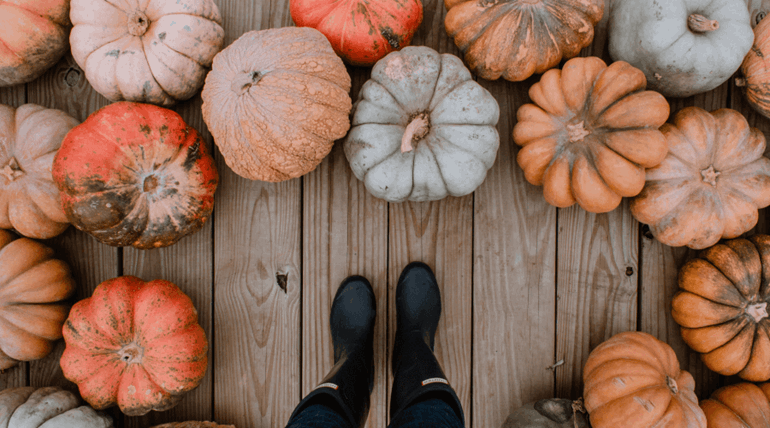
{"x":742,"y":405}
{"x":153,"y":51}
{"x":33,"y":37}
{"x":755,"y":68}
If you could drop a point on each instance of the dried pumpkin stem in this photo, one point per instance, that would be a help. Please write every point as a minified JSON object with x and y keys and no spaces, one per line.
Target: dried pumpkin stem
{"x":577,"y":132}
{"x":415,"y":131}
{"x":740,"y":82}
{"x":11,"y":171}
{"x":700,"y":24}
{"x":710,"y":175}
{"x":138,"y":23}
{"x":758,"y":311}
{"x":671,"y":383}
{"x":244,"y":81}
{"x":131,"y":353}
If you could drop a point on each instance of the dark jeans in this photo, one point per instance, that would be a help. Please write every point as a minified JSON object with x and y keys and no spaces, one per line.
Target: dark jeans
{"x":433,"y":413}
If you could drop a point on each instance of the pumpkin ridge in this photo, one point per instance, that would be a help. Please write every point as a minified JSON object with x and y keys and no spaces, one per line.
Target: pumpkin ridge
{"x":12,"y":51}
{"x":398,"y":103}
{"x":166,"y":93}
{"x":321,"y":100}
{"x":498,"y":9}
{"x":47,"y":18}
{"x":613,"y":402}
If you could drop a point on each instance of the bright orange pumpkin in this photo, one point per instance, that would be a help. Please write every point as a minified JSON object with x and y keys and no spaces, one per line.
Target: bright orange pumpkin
{"x":743,"y":405}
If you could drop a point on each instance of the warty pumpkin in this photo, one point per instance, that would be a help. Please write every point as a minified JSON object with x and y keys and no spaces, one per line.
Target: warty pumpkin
{"x":549,"y":413}
{"x":722,"y":307}
{"x":742,"y":405}
{"x":423,"y":129}
{"x":633,"y":380}
{"x":136,"y":174}
{"x":683,"y":47}
{"x":34,"y":288}
{"x":153,"y":51}
{"x":29,"y":199}
{"x":275,"y":101}
{"x":756,"y":70}
{"x":517,"y":38}
{"x":361,"y":32}
{"x":710,"y":184}
{"x":136,"y":344}
{"x":49,"y":407}
{"x":590,"y":133}
{"x":33,"y":37}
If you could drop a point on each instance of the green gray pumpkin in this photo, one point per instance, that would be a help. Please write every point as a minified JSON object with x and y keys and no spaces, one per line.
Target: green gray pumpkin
{"x":550,"y":413}
{"x":49,"y":407}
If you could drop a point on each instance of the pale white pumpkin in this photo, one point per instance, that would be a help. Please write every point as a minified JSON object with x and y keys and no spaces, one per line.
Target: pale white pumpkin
{"x":422,"y":128}
{"x":49,"y":407}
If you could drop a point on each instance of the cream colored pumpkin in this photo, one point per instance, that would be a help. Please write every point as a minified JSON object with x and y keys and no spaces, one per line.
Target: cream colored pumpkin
{"x":49,"y":407}
{"x":422,"y":128}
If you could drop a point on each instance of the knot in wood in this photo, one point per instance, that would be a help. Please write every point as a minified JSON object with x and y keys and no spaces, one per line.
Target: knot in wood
{"x":244,"y":81}
{"x":757,"y":311}
{"x":700,"y":24}
{"x":72,"y":76}
{"x":131,"y":353}
{"x":577,"y":131}
{"x":671,"y":383}
{"x":138,"y":23}
{"x":710,"y":175}
{"x":417,"y":129}
{"x":11,"y":171}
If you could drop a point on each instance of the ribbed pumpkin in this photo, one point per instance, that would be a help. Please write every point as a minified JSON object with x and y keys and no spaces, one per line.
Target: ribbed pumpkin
{"x":517,"y":38}
{"x":49,"y":407}
{"x":361,"y":31}
{"x":135,"y":344}
{"x":633,"y":380}
{"x":136,"y":174}
{"x":29,"y":199}
{"x":152,"y":51}
{"x":275,"y":101}
{"x":722,"y":307}
{"x":33,"y":37}
{"x":756,"y":70}
{"x":742,"y":405}
{"x":711,"y":183}
{"x":590,"y":133}
{"x":33,"y":290}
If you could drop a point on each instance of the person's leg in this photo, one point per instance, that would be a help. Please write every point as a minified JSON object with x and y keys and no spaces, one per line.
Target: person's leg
{"x":342,"y":398}
{"x":431,"y":412}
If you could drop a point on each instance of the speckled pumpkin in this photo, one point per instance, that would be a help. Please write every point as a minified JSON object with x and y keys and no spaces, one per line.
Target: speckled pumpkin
{"x":33,"y":37}
{"x":755,"y":81}
{"x":135,"y":344}
{"x":275,"y":101}
{"x":136,"y":174}
{"x":29,"y":199}
{"x":49,"y":407}
{"x":743,"y":405}
{"x":152,"y":51}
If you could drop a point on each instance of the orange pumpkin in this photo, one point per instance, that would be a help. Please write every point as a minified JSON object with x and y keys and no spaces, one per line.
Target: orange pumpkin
{"x":134,"y":343}
{"x":722,"y":307}
{"x":711,"y":183}
{"x":516,"y":38}
{"x":633,"y":380}
{"x":742,"y":405}
{"x":33,"y":37}
{"x":756,"y":70}
{"x":590,"y":133}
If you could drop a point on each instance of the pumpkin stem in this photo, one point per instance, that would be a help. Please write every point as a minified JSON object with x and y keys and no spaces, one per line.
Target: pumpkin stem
{"x":150,"y":183}
{"x":415,"y":131}
{"x":138,"y":23}
{"x":577,"y":407}
{"x":244,"y":81}
{"x":710,"y":175}
{"x":577,"y":131}
{"x":671,"y":383}
{"x":131,"y":353}
{"x":700,"y":24}
{"x":740,"y":82}
{"x":11,"y":171}
{"x":758,"y":311}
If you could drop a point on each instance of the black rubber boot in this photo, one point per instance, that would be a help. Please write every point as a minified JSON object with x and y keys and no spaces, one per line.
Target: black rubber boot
{"x":349,"y":384}
{"x":417,"y":374}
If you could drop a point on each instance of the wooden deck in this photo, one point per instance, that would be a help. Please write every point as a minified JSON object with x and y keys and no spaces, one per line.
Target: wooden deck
{"x":525,"y":286}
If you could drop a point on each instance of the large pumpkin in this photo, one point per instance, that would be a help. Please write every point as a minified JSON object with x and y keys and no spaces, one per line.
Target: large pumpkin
{"x":360,"y":31}
{"x":275,"y":101}
{"x":33,"y":290}
{"x":33,"y":37}
{"x":423,"y":129}
{"x":516,"y":38}
{"x":590,"y":133}
{"x":49,"y":407}
{"x":710,"y":184}
{"x":756,"y":70}
{"x":633,"y":380}
{"x":683,"y":47}
{"x":136,"y":174}
{"x":742,"y":405}
{"x":722,"y":307}
{"x":29,"y":199}
{"x":135,"y":344}
{"x":153,"y":51}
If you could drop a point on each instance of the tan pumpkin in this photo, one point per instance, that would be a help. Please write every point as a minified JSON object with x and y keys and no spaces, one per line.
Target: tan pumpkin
{"x":275,"y":101}
{"x":153,"y":51}
{"x":710,"y":185}
{"x":590,"y":133}
{"x":49,"y":407}
{"x":743,"y":405}
{"x":756,"y":70}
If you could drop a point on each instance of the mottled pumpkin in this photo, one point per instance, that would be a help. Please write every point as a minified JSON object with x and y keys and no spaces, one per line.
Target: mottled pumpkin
{"x":590,"y":133}
{"x":136,"y":174}
{"x":710,"y":185}
{"x":29,"y":199}
{"x":152,"y":51}
{"x":33,"y":37}
{"x":633,"y":380}
{"x":361,"y":31}
{"x":135,"y":344}
{"x":517,"y":38}
{"x":49,"y":407}
{"x":275,"y":101}
{"x":34,"y":288}
{"x":756,"y":70}
{"x":742,"y":405}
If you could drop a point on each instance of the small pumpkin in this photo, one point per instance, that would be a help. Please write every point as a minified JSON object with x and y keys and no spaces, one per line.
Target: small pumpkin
{"x":33,"y":37}
{"x":275,"y":101}
{"x":590,"y":133}
{"x":153,"y":51}
{"x":755,"y":82}
{"x":192,"y":424}
{"x":710,"y":185}
{"x":49,"y":407}
{"x":423,"y":129}
{"x":684,"y":48}
{"x":136,"y":174}
{"x":33,"y":290}
{"x":549,"y":413}
{"x":722,"y":307}
{"x":134,"y":336}
{"x":633,"y":380}
{"x":742,"y":405}
{"x":517,"y":38}
{"x":29,"y":199}
{"x":361,"y":32}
